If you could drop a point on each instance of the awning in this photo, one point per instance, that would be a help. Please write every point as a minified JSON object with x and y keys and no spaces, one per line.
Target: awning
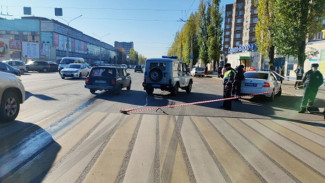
{"x":245,"y":58}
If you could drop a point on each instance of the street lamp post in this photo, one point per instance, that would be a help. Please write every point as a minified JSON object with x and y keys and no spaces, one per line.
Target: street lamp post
{"x":68,"y":32}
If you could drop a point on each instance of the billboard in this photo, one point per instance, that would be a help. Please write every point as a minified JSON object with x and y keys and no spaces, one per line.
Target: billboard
{"x":15,"y":44}
{"x":30,"y":50}
{"x":322,"y":61}
{"x":4,"y":48}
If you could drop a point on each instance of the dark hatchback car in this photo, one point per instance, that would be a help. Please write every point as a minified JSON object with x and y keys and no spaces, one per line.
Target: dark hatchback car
{"x":7,"y":68}
{"x":108,"y":78}
{"x":42,"y":66}
{"x":138,"y":68}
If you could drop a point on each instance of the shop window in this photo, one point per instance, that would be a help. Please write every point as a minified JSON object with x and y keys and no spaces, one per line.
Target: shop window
{"x":237,"y":43}
{"x":228,"y":20}
{"x":238,"y":36}
{"x":226,"y":46}
{"x":227,"y":26}
{"x":241,"y":12}
{"x":227,"y":39}
{"x":227,"y":33}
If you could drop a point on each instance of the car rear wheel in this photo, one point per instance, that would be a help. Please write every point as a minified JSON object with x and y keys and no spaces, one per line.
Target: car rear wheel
{"x":271,"y":99}
{"x":189,"y":88}
{"x":149,"y":90}
{"x":175,"y":89}
{"x":279,"y":93}
{"x":92,"y":91}
{"x":9,"y":107}
{"x":118,"y":90}
{"x":129,"y":87}
{"x":62,"y":77}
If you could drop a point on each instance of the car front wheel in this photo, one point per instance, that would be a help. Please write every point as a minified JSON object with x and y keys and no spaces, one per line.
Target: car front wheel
{"x":129,"y":87}
{"x":149,"y":91}
{"x":92,"y":91}
{"x":9,"y":107}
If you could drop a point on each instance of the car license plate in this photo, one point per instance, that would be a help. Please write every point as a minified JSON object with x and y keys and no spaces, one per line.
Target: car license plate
{"x":156,"y":86}
{"x":251,"y":84}
{"x":100,"y":81}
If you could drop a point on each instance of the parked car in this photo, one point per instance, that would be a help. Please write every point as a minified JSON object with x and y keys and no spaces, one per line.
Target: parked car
{"x":75,"y":71}
{"x":18,"y":64}
{"x":42,"y":66}
{"x":138,"y":68}
{"x":261,"y":82}
{"x":12,"y":94}
{"x":124,"y":66}
{"x":65,"y":61}
{"x":108,"y":79}
{"x":197,"y":71}
{"x":166,"y":74}
{"x":7,"y":68}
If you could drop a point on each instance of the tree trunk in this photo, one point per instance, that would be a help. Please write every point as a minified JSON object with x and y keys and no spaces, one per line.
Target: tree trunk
{"x":302,"y":55}
{"x":271,"y":57}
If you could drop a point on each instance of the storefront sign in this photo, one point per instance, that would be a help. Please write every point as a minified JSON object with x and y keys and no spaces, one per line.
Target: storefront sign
{"x":242,"y":48}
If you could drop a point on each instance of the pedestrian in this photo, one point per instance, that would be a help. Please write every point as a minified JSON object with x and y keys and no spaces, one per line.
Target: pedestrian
{"x":312,"y":80}
{"x":228,"y":81}
{"x":282,"y":74}
{"x":299,"y":74}
{"x":223,"y":71}
{"x":238,"y":79}
{"x":206,"y":70}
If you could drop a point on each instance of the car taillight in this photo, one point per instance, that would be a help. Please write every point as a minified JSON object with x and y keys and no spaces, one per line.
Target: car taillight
{"x":266,"y":85}
{"x":49,"y":66}
{"x":113,"y":81}
{"x":144,"y":80}
{"x":87,"y":80}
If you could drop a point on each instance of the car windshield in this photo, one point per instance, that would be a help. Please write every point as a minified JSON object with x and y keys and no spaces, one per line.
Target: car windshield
{"x":103,"y":72}
{"x":75,"y":66}
{"x":67,"y":61}
{"x":256,"y":75}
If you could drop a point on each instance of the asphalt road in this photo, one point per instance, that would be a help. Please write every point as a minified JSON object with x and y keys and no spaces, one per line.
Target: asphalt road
{"x":65,"y":134}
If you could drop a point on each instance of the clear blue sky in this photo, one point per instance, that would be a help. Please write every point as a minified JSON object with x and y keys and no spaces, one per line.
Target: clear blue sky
{"x":150,"y":24}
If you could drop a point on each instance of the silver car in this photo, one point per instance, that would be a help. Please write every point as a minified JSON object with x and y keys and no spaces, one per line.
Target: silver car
{"x":18,"y":64}
{"x":12,"y":94}
{"x":75,"y":71}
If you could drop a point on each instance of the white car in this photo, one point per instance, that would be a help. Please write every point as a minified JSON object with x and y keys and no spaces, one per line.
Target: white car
{"x":261,"y":83}
{"x":197,"y":71}
{"x":12,"y":94}
{"x":75,"y":71}
{"x":18,"y":64}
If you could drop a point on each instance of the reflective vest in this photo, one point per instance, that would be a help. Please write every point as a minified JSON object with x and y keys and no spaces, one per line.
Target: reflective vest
{"x":227,"y":75}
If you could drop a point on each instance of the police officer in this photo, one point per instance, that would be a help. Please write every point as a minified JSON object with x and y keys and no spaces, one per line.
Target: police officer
{"x":312,"y":80}
{"x":228,"y":80}
{"x":238,"y":79}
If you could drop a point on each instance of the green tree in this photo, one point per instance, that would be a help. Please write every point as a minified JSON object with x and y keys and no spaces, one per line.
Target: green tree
{"x":133,"y":56}
{"x":215,"y":34}
{"x":204,"y":16}
{"x":295,"y":20}
{"x":264,"y":29}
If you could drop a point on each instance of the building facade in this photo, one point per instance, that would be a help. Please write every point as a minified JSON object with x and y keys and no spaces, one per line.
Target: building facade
{"x":37,"y":38}
{"x":239,"y":34}
{"x":127,"y":46}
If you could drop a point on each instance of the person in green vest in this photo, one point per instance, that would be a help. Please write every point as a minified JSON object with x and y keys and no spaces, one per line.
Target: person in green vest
{"x":312,"y":80}
{"x":228,"y":81}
